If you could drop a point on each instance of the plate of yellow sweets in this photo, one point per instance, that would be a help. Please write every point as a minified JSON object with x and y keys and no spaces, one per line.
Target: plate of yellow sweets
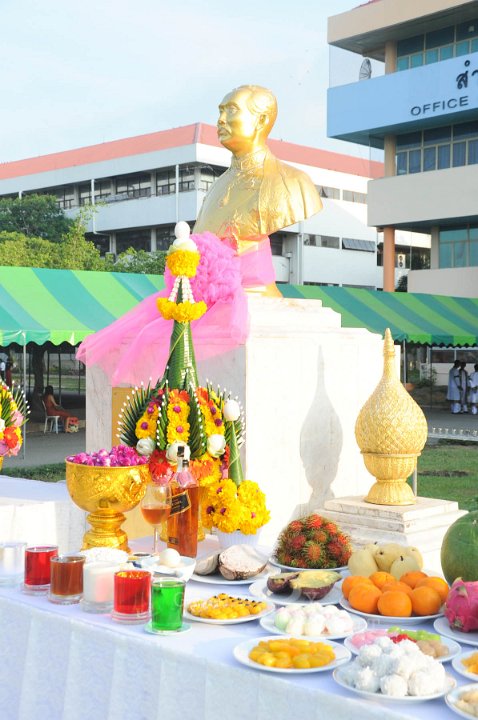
{"x":224,"y":609}
{"x":466,"y":664}
{"x":291,"y":655}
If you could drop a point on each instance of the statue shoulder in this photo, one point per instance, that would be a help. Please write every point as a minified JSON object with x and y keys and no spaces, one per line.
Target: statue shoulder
{"x":296,"y":182}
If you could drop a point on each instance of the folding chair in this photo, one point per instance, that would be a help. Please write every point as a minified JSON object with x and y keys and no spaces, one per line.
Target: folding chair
{"x":51,"y":422}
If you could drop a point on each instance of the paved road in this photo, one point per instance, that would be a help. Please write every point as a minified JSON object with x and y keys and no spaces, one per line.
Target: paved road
{"x":51,"y":448}
{"x":43,"y":449}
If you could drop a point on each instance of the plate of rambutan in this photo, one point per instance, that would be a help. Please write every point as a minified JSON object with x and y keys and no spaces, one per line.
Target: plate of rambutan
{"x":274,"y":561}
{"x":312,"y":543}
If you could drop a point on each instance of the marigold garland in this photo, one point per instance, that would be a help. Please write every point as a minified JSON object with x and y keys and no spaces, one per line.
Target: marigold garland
{"x":182,"y":312}
{"x":229,"y":508}
{"x":183,"y":262}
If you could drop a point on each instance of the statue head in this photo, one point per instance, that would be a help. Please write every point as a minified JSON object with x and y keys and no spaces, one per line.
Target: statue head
{"x":246,"y":117}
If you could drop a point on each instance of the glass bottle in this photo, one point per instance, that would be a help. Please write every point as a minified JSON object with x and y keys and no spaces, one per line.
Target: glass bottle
{"x":183,"y":520}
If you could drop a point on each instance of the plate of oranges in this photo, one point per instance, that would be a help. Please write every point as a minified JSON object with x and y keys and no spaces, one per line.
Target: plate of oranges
{"x":414,"y":598}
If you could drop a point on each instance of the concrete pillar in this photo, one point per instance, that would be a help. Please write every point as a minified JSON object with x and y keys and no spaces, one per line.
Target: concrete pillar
{"x":390,"y":56}
{"x":434,"y":252}
{"x":389,"y":146}
{"x":154,"y":246}
{"x":389,"y":259}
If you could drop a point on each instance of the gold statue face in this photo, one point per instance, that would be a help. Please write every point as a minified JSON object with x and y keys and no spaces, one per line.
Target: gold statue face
{"x":240,"y":129}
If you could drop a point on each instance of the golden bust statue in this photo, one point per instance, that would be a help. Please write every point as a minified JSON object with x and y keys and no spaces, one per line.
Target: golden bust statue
{"x":258,"y":194}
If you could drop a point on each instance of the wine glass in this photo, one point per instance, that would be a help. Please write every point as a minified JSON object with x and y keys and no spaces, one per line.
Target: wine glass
{"x":156,"y":507}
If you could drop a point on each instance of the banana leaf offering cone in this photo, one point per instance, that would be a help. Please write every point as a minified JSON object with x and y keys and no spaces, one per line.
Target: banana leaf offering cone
{"x":181,"y":370}
{"x":235,"y":471}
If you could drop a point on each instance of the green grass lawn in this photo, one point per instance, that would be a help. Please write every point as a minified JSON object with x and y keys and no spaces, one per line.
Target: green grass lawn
{"x":450,"y":472}
{"x":446,"y":471}
{"x":47,"y":473}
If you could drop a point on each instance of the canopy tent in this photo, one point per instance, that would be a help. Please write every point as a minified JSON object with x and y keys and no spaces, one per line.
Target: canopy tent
{"x":40,"y":305}
{"x":435,"y":320}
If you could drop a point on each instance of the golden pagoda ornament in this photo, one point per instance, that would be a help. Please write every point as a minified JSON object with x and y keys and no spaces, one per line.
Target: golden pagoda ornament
{"x":391,"y":431}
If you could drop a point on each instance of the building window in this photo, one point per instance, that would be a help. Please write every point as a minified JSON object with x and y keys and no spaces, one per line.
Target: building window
{"x":354,"y":244}
{"x":327,"y":241}
{"x":437,"y":148}
{"x":277,"y":243}
{"x":134,"y":186}
{"x":438,"y":45}
{"x":166,"y":181}
{"x":331,"y":193}
{"x":353,"y":196}
{"x":208,"y":176}
{"x":186,"y":178}
{"x":102,"y":191}
{"x":65,"y":197}
{"x":136,"y":239}
{"x":164,"y":237}
{"x":101,"y":242}
{"x":458,"y":247}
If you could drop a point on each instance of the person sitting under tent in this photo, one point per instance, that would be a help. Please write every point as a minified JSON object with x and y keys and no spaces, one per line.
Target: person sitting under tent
{"x":52,"y":408}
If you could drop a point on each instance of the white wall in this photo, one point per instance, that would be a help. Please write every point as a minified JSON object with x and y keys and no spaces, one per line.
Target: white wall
{"x":423,"y":197}
{"x":458,"y":282}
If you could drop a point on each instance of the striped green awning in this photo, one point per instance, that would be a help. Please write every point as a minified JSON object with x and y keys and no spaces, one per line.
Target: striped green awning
{"x":39,"y":305}
{"x":413,"y":317}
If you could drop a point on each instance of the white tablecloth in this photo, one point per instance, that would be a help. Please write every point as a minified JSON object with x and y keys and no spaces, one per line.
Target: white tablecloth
{"x":38,"y":513}
{"x":59,"y":663}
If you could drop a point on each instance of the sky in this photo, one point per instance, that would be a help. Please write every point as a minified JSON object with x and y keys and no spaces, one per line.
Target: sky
{"x":76,"y":73}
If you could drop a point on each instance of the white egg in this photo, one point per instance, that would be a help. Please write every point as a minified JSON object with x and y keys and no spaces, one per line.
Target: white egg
{"x":169,"y":557}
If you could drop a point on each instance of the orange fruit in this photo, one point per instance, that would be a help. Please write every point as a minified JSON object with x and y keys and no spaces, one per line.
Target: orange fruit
{"x":397,"y":585}
{"x":437,"y":583}
{"x":395,"y":603}
{"x":351,"y":581}
{"x":425,"y":601}
{"x":413,"y":577}
{"x":381,"y":577}
{"x":365,"y":597}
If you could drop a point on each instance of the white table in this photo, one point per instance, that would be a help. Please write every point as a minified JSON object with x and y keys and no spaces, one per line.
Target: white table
{"x":59,"y":663}
{"x":39,"y":513}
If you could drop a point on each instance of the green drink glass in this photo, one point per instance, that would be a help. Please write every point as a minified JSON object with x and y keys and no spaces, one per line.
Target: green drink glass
{"x":167,"y":602}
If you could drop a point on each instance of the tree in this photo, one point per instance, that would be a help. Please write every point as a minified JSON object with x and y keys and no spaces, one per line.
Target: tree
{"x":402,"y":285}
{"x":140,"y":261}
{"x":75,"y":252}
{"x":34,"y":216}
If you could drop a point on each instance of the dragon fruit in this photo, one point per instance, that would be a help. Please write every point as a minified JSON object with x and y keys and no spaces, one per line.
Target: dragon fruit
{"x":461,"y":607}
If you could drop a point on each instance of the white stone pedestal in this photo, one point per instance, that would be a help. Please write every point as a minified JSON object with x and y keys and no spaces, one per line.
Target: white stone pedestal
{"x":302,"y":379}
{"x":423,"y":524}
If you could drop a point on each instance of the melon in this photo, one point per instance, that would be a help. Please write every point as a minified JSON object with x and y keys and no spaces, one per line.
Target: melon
{"x":459,"y":550}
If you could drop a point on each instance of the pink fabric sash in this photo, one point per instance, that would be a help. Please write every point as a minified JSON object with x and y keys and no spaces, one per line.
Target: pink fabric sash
{"x":135,"y":347}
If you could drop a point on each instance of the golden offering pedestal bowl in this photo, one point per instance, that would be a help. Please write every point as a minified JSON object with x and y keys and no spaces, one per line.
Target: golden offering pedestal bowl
{"x":391,"y":472}
{"x":106,"y":493}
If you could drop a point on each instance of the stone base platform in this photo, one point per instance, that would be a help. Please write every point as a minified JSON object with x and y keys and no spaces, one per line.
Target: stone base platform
{"x":423,"y":524}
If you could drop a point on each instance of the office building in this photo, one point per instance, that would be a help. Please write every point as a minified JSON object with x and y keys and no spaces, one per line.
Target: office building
{"x":142,"y":185}
{"x":413,"y":87}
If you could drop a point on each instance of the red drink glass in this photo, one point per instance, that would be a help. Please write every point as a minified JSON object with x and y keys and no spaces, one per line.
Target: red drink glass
{"x":132,"y":596}
{"x":37,"y":568}
{"x":66,"y":586}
